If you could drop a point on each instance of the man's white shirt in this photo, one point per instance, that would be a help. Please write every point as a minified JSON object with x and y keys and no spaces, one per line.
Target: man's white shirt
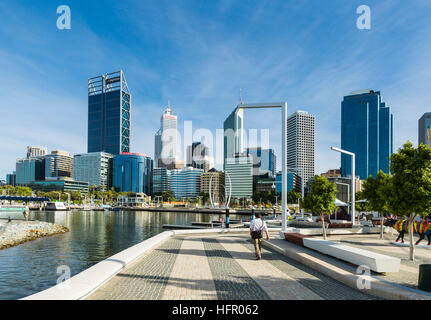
{"x":258,"y":224}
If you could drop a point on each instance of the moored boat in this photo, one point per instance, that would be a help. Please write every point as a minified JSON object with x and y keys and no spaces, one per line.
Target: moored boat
{"x":56,"y":206}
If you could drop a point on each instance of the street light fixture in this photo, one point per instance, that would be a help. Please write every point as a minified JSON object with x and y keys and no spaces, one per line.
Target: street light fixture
{"x":353,"y":179}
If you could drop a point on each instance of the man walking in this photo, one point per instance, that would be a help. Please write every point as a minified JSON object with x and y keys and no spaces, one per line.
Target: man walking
{"x":257,"y":226}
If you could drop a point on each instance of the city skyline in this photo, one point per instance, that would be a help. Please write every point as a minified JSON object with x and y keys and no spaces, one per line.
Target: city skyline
{"x":52,"y":110}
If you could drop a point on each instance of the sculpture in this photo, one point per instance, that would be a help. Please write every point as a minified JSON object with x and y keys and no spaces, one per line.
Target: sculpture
{"x":422,"y":227}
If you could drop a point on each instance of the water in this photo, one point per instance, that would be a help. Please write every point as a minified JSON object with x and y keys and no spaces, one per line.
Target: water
{"x":94,"y":236}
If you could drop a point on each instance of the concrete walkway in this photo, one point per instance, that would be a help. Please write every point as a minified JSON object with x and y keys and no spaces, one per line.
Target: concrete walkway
{"x":220,"y":267}
{"x":409,"y":270}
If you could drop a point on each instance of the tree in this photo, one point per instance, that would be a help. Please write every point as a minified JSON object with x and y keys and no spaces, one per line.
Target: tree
{"x":377,"y":192}
{"x":410,"y":187}
{"x":168,"y":196}
{"x":292,"y":196}
{"x":320,"y":199}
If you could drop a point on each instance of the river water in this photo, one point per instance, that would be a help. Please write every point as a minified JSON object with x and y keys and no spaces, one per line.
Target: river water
{"x":94,"y":236}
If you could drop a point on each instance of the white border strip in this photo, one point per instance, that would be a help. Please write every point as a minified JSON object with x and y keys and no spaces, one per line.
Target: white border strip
{"x":85,"y":283}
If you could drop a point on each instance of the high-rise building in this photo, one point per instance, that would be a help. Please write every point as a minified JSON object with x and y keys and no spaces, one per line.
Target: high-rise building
{"x":58,"y":164}
{"x":264,"y":161}
{"x":94,"y":168}
{"x":300,"y":137}
{"x":157,"y":147}
{"x":239,"y":177}
{"x":233,"y":133}
{"x":293,"y":181}
{"x":161,"y":181}
{"x":367,"y":131}
{"x":29,"y":169}
{"x":33,"y":151}
{"x":215,"y":179}
{"x":109,"y":109}
{"x":166,"y":150}
{"x":132,"y":173}
{"x":424,"y":135}
{"x":11,"y":179}
{"x":185,"y":182}
{"x":198,"y":156}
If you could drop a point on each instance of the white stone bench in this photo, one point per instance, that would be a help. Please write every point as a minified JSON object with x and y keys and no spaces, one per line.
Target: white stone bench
{"x":375,"y":261}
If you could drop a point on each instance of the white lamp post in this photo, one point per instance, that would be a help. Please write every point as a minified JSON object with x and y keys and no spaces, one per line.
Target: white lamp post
{"x":353,"y":179}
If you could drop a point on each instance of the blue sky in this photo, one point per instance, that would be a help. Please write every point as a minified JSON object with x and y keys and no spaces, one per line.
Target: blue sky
{"x":198,"y":54}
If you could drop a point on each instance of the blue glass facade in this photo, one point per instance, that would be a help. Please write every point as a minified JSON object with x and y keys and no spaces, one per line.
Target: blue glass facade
{"x":185,"y":182}
{"x":28,"y":170}
{"x":109,"y":107}
{"x":132,"y":173}
{"x":264,"y":161}
{"x":293,"y":182}
{"x":367,"y":131}
{"x":11,"y":179}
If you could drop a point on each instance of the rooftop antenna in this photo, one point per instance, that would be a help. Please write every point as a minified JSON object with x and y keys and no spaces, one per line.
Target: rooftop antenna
{"x":240,"y":95}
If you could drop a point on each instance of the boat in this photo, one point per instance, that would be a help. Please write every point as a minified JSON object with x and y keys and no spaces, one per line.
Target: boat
{"x":56,"y":206}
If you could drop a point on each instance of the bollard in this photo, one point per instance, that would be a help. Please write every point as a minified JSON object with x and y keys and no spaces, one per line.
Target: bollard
{"x":252,"y":213}
{"x":424,"y":282}
{"x":227,"y":218}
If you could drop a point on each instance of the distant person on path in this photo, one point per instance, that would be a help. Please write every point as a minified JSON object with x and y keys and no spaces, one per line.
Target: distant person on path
{"x":257,"y":226}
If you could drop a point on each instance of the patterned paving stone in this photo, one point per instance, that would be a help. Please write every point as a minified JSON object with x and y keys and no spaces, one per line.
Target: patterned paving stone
{"x":317,"y":282}
{"x":278,"y":285}
{"x":230,"y":280}
{"x":191,"y":277}
{"x":146,"y":279}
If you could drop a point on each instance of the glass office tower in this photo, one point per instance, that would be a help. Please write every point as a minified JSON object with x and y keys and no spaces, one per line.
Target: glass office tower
{"x":109,"y":108}
{"x":233,"y":134}
{"x":425,"y":129}
{"x":264,"y":161}
{"x":367,"y":131}
{"x":239,"y":177}
{"x":132,"y":173}
{"x":185,"y":182}
{"x":28,"y":170}
{"x":94,"y":168}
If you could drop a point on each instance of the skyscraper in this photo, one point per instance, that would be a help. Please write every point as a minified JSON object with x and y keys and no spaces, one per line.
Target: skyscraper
{"x":424,"y":135}
{"x":300,"y":137}
{"x":367,"y":131}
{"x":185,"y":182}
{"x":165,"y":141}
{"x":109,"y":109}
{"x":132,"y":173}
{"x":264,"y":161}
{"x":94,"y":168}
{"x":29,"y":169}
{"x":58,"y":164}
{"x":161,"y":180}
{"x":239,"y":177}
{"x":198,"y":156}
{"x":233,"y":133}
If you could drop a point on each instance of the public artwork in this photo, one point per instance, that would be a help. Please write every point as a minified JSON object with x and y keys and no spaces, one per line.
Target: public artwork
{"x":423,"y":228}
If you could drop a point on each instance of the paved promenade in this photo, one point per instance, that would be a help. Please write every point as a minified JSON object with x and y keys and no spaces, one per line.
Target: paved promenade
{"x":220,"y":267}
{"x":409,"y":270}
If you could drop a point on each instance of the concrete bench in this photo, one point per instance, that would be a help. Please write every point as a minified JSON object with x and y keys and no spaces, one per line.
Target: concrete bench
{"x":377,"y":262}
{"x":296,"y":238}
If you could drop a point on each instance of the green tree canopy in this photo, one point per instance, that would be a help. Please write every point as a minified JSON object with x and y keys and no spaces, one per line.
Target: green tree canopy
{"x":320,"y":198}
{"x":410,"y":187}
{"x":377,"y":192}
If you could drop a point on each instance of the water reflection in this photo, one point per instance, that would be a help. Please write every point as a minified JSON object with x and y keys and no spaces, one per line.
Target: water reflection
{"x":94,"y":236}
